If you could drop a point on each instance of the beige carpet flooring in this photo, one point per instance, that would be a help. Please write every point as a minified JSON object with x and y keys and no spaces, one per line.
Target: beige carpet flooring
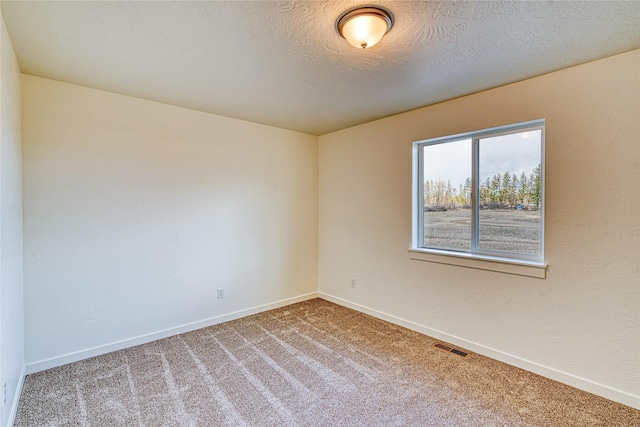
{"x":309,"y":364}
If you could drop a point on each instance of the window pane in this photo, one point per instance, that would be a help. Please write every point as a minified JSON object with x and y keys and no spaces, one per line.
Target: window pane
{"x":510,"y":193}
{"x":447,"y":195}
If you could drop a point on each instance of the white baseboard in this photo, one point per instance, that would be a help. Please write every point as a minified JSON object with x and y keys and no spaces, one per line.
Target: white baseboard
{"x":143,"y":339}
{"x":545,"y":371}
{"x":16,"y":397}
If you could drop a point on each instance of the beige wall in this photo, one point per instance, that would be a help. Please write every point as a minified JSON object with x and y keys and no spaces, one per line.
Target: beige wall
{"x":581,"y":325}
{"x":136,"y":212}
{"x":11,"y":297}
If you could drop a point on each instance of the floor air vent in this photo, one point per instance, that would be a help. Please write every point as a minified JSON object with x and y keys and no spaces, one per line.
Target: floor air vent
{"x":450,"y":349}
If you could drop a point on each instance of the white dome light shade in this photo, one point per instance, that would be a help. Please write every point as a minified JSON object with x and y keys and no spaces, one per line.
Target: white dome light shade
{"x":363,"y":27}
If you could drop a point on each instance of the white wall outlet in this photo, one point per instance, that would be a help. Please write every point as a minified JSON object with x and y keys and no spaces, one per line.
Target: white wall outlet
{"x":220,"y":293}
{"x":353,"y":283}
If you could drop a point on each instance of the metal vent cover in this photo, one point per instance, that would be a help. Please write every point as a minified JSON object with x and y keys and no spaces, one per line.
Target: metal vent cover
{"x":451,"y":349}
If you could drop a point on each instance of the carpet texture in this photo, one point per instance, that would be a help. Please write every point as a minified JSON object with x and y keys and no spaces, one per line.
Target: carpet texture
{"x":309,"y":364}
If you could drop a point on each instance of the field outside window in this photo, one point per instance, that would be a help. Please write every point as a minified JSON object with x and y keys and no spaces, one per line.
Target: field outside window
{"x":482,"y":193}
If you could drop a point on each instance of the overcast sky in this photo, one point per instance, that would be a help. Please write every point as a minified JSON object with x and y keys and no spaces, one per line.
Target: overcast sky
{"x":515,"y":153}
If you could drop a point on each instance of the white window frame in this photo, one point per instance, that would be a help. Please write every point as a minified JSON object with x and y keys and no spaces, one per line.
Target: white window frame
{"x":475,"y":257}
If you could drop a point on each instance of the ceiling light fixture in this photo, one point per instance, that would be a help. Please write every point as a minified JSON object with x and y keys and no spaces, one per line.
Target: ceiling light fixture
{"x":363,"y":26}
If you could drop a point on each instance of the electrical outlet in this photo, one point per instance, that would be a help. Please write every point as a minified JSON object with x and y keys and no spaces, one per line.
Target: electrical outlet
{"x":220,"y":293}
{"x":353,"y":283}
{"x":4,"y":393}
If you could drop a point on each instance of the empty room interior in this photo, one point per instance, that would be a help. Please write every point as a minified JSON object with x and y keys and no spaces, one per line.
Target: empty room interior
{"x":240,"y":213}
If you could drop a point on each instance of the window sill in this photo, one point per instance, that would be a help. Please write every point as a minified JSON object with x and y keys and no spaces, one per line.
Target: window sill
{"x":502,"y":265}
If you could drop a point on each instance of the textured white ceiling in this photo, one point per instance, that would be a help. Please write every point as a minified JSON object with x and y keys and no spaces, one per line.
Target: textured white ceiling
{"x":282,"y":63}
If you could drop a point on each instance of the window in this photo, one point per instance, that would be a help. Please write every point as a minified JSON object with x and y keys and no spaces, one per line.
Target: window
{"x":480,"y":195}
